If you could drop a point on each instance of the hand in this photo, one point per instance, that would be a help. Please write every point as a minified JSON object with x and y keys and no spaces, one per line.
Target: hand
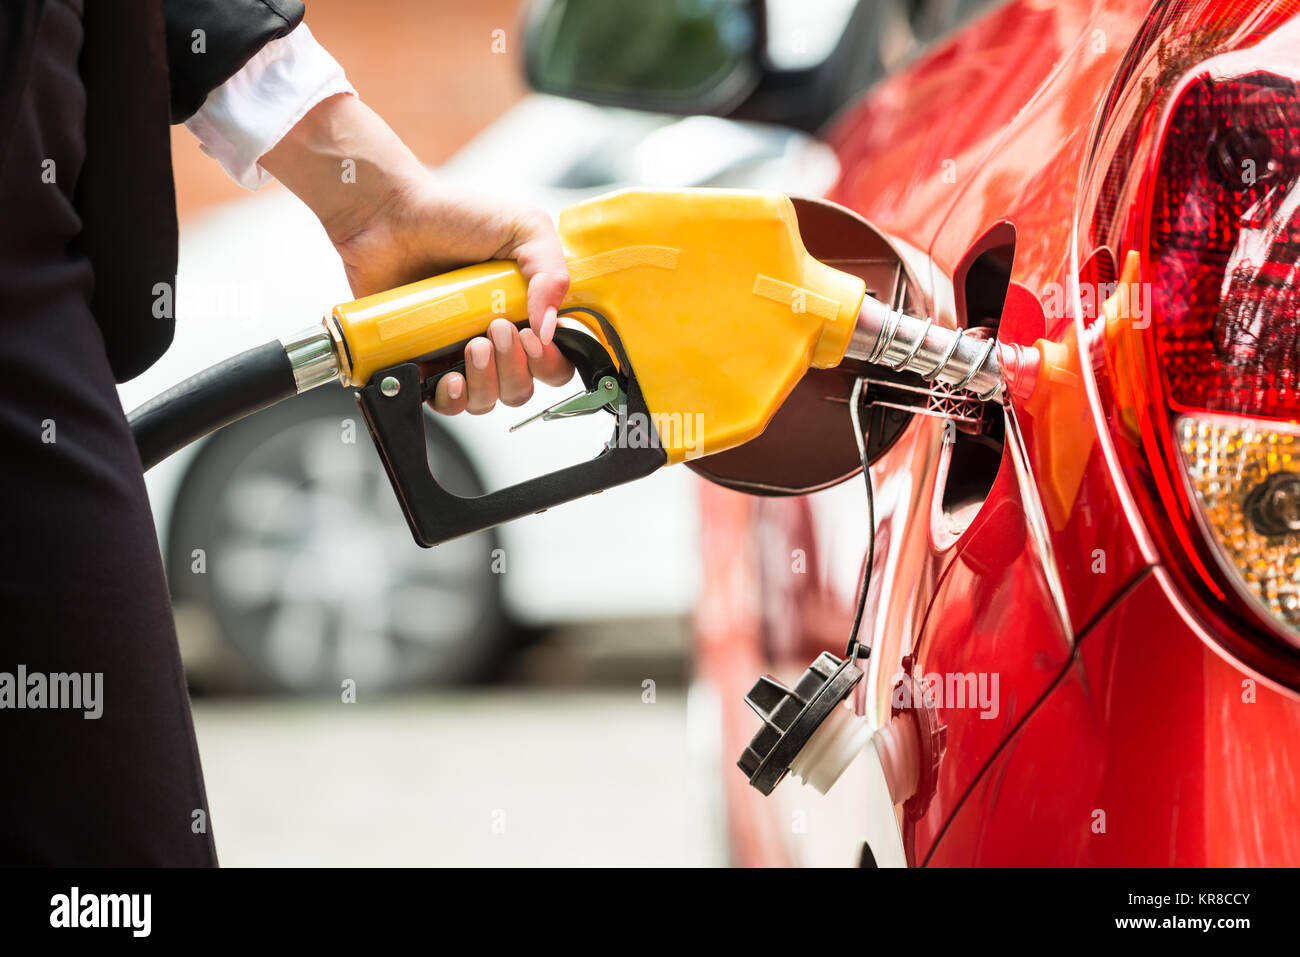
{"x":425,"y":230}
{"x":393,"y":223}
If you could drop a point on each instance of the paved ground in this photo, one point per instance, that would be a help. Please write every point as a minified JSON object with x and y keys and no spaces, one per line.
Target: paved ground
{"x":553,"y":771}
{"x":506,"y":777}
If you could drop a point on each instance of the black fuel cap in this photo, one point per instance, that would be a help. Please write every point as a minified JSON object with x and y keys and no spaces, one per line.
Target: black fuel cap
{"x":791,"y":715}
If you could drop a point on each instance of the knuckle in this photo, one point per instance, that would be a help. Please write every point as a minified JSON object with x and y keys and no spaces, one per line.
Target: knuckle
{"x":537,"y":218}
{"x":518,"y":397}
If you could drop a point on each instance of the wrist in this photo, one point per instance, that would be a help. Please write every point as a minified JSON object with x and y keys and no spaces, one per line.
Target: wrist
{"x":345,"y":164}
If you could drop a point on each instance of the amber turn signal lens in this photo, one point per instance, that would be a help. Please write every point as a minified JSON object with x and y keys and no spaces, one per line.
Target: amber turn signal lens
{"x":1245,"y":474}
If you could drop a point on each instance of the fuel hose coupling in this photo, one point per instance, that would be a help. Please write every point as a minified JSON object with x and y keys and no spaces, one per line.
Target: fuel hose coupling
{"x":962,"y":360}
{"x":312,"y":356}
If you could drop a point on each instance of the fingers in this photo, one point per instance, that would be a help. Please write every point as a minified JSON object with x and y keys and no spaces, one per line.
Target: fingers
{"x":501,"y":367}
{"x":514,"y":381}
{"x":474,"y":392}
{"x":481,"y":374}
{"x":449,"y":397}
{"x":545,"y":362}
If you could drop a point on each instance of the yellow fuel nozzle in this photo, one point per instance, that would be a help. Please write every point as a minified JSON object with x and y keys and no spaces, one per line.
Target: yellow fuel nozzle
{"x":705,"y":310}
{"x":708,"y":295}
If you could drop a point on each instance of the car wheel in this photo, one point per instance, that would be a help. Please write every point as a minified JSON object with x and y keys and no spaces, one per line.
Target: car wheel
{"x":287,"y":532}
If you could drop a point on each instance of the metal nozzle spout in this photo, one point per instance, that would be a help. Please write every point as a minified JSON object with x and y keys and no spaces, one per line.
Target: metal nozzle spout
{"x":891,"y":337}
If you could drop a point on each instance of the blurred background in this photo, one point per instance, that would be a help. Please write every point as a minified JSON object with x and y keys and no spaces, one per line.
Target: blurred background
{"x":522,"y":696}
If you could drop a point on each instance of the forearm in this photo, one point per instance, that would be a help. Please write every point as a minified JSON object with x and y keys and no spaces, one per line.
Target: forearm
{"x":345,"y":163}
{"x":392,"y":222}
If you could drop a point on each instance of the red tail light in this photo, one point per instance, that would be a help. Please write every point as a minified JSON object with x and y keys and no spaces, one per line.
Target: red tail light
{"x":1223,"y":246}
{"x":1206,"y":382}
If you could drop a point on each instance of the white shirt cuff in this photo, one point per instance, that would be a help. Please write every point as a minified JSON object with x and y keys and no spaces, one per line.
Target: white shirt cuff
{"x":249,"y":113}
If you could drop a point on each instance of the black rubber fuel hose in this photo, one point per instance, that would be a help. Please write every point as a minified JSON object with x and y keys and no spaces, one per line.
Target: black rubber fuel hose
{"x":215,"y":397}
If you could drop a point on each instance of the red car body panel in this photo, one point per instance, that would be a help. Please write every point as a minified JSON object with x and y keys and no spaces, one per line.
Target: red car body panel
{"x":1163,"y":740}
{"x":1113,"y":698}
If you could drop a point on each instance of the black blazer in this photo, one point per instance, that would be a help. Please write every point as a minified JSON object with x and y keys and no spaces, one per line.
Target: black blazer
{"x":143,"y":66}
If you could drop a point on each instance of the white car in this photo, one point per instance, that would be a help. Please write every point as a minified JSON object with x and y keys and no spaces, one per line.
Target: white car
{"x":289,"y":561}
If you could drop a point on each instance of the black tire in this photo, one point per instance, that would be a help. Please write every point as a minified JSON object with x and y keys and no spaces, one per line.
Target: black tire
{"x":308,"y":568}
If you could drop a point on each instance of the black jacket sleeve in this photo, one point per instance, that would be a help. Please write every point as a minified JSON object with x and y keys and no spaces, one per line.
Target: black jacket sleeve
{"x":208,"y":41}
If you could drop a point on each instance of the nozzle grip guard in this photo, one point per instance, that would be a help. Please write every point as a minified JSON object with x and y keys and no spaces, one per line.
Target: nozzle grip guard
{"x":436,"y":515}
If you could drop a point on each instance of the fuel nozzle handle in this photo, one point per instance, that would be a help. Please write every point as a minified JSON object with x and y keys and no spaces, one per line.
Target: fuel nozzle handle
{"x":890,"y":337}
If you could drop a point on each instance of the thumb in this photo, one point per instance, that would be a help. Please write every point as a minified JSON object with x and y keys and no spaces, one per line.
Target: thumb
{"x":545,"y":296}
{"x":542,"y":262}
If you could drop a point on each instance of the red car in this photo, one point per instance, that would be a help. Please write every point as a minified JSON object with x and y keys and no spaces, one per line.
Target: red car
{"x":1083,"y":609}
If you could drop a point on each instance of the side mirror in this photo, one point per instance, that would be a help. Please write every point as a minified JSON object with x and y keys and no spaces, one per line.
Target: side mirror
{"x":668,"y":56}
{"x":788,"y":62}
